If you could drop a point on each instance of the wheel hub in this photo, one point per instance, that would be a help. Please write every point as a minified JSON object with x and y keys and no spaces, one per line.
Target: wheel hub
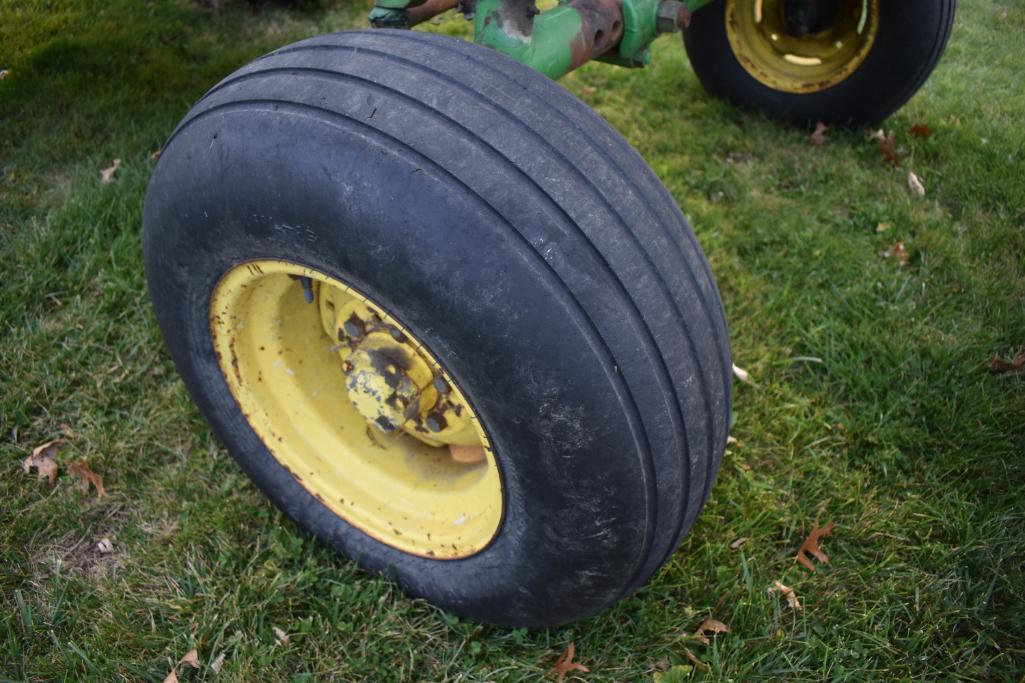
{"x":801,"y":46}
{"x":390,"y":380}
{"x":804,"y":17}
{"x":356,"y":409}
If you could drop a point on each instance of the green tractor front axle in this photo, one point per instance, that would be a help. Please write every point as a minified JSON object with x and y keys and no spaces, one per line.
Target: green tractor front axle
{"x":558,"y":40}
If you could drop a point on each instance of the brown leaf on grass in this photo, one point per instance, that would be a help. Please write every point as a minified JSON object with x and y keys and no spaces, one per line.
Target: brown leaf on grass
{"x":4,"y":73}
{"x":1003,"y":14}
{"x":107,"y":174}
{"x":888,"y":148}
{"x":216,"y":665}
{"x":915,"y":184}
{"x":280,"y":637}
{"x":896,"y":251}
{"x":738,"y":543}
{"x":565,"y":663}
{"x":80,"y":470}
{"x":877,"y":136}
{"x":191,"y":658}
{"x":811,"y":546}
{"x":818,"y":136}
{"x":920,"y":130}
{"x":662,"y":664}
{"x":697,"y":637}
{"x":713,"y":626}
{"x":1000,"y":366}
{"x":105,"y":546}
{"x":788,"y":593}
{"x":696,"y":661}
{"x":42,"y":460}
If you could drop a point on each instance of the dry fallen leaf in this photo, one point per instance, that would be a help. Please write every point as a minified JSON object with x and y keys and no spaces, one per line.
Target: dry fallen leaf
{"x":4,"y":73}
{"x":915,"y":184}
{"x":565,"y":663}
{"x":105,"y":546}
{"x":697,"y":637}
{"x":216,"y":665}
{"x":788,"y":593}
{"x":80,"y":470}
{"x":1016,"y":364}
{"x":811,"y":546}
{"x":107,"y":174}
{"x":1003,"y":14}
{"x":191,"y":658}
{"x":742,"y":375}
{"x":818,"y":137}
{"x":662,"y":664}
{"x":280,"y":637}
{"x":888,"y":148}
{"x":882,"y":227}
{"x":713,"y":626}
{"x":737,"y":544}
{"x":694,"y":658}
{"x":877,"y":136}
{"x":896,"y":251}
{"x":42,"y":460}
{"x":920,"y":130}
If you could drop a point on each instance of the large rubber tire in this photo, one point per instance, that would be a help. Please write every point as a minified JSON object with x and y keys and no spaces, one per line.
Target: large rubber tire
{"x":911,"y":38}
{"x":522,"y":240}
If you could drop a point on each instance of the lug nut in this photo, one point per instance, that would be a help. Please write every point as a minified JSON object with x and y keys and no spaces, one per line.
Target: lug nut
{"x":353,"y":328}
{"x":672,"y":16}
{"x":435,"y":422}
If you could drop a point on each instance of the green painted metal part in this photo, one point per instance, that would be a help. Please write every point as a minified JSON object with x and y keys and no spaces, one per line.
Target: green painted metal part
{"x":546,"y":48}
{"x":544,"y":42}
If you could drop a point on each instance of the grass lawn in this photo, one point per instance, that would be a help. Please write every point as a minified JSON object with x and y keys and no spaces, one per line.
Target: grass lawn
{"x":872,"y":407}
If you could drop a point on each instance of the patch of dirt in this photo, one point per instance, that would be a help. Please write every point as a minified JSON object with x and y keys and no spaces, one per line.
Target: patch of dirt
{"x":96,"y":555}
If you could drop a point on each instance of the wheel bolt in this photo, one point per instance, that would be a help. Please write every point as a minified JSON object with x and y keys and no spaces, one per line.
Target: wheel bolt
{"x":352,"y":328}
{"x":435,"y":422}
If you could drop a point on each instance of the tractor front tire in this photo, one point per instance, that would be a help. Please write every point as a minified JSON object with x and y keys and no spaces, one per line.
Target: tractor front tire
{"x":489,"y":227}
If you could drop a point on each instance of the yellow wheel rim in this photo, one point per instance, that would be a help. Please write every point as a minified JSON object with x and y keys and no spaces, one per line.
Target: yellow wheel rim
{"x":356,"y":408}
{"x":766,"y":46}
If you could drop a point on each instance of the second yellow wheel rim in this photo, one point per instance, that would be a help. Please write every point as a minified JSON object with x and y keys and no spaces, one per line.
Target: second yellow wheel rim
{"x":405,"y":487}
{"x":760,"y":40}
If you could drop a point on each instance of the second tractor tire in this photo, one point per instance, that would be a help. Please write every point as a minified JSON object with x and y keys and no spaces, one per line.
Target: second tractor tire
{"x":910,"y":38}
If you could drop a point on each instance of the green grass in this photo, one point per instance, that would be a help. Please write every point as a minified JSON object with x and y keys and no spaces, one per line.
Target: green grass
{"x":897,"y":432}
